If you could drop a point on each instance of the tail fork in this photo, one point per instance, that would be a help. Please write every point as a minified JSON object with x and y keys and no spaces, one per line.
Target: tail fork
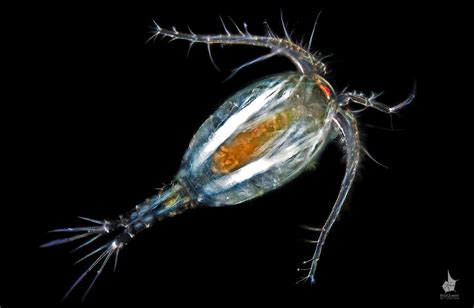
{"x":171,"y":200}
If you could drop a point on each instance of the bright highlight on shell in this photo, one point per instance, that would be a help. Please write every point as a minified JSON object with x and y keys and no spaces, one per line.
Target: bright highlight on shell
{"x":259,"y":139}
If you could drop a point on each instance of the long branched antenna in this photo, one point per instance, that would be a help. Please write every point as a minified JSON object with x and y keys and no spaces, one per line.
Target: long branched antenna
{"x":305,"y":62}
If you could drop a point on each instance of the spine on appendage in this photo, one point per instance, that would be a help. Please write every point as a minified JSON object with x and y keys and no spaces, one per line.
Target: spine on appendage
{"x":172,"y":200}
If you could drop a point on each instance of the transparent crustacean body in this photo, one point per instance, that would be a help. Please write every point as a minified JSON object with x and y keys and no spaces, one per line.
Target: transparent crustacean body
{"x":259,"y":139}
{"x":267,"y":134}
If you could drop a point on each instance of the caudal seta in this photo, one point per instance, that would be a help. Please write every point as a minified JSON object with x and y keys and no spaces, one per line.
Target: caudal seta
{"x":249,"y":144}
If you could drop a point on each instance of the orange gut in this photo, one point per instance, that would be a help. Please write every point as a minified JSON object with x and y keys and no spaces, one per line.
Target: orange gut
{"x":248,"y":144}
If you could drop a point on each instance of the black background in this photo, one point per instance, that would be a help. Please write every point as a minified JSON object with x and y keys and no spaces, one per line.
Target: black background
{"x":99,"y":119}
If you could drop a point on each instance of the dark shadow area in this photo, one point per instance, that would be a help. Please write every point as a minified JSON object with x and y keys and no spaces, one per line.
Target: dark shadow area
{"x":106,"y":118}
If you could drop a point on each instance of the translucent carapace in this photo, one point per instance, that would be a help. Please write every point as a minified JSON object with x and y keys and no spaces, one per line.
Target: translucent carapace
{"x":259,"y":139}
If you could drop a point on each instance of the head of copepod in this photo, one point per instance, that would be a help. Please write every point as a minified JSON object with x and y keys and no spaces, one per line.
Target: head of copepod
{"x":259,"y":139}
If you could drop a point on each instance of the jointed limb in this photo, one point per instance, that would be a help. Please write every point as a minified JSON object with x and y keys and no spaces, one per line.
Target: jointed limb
{"x":370,"y":101}
{"x":347,"y":126}
{"x":306,"y":62}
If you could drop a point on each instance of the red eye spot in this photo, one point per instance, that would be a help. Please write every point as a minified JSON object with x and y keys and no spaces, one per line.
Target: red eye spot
{"x":326,"y":90}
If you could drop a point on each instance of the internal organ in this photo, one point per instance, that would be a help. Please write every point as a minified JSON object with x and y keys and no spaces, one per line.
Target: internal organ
{"x":249,"y":144}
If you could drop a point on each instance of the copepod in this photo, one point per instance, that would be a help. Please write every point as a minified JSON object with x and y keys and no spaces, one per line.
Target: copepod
{"x":259,"y":139}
